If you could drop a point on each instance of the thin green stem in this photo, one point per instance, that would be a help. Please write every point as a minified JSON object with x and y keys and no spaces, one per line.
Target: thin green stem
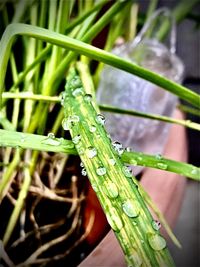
{"x":186,"y":123}
{"x":43,"y":143}
{"x":90,"y":51}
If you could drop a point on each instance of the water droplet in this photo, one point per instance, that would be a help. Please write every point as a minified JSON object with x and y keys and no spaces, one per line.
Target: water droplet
{"x":194,"y":171}
{"x":101,"y":171}
{"x":156,"y":225}
{"x":110,"y":189}
{"x":92,"y":128}
{"x":51,"y":140}
{"x":82,"y":165}
{"x":91,"y":152}
{"x":95,"y":188}
{"x":156,"y":241}
{"x":158,"y":156}
{"x":76,"y":139}
{"x":114,"y":220}
{"x":135,"y":259}
{"x":77,"y":92}
{"x":83,"y":172}
{"x":162,"y":166}
{"x":130,"y":208}
{"x":128,"y":149}
{"x":76,"y":82}
{"x":133,"y":162}
{"x":62,"y":98}
{"x":100,"y":119}
{"x":88,"y":97}
{"x":112,"y":161}
{"x":118,"y":147}
{"x":67,"y":123}
{"x":127,"y":171}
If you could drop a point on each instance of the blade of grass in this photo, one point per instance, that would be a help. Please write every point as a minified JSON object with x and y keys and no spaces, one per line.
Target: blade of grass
{"x":133,"y":238}
{"x":186,"y":123}
{"x":90,"y":51}
{"x":43,"y":143}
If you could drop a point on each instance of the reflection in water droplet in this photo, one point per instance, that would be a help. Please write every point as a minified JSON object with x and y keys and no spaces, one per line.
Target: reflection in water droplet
{"x":156,"y":241}
{"x":67,"y":123}
{"x":81,"y":164}
{"x":78,"y":92}
{"x":161,"y":166}
{"x":194,"y":171}
{"x":83,"y":172}
{"x":118,"y":147}
{"x":91,"y":152}
{"x":156,"y":225}
{"x":92,"y":128}
{"x":130,"y":208}
{"x":127,"y":171}
{"x":51,"y":140}
{"x":112,"y":161}
{"x":110,"y":189}
{"x":88,"y":97}
{"x":114,"y":220}
{"x":62,"y":98}
{"x":76,"y":139}
{"x":101,"y":171}
{"x":158,"y":156}
{"x":100,"y":119}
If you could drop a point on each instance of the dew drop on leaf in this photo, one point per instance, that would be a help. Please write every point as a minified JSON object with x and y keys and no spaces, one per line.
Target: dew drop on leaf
{"x":112,"y":161}
{"x":130,"y":208}
{"x":100,"y":119}
{"x":76,"y":139}
{"x":194,"y":171}
{"x":91,"y":152}
{"x":92,"y":128}
{"x":156,"y":225}
{"x":83,"y":172}
{"x":101,"y":171}
{"x":118,"y":147}
{"x":110,"y":189}
{"x":158,"y":156}
{"x":88,"y":98}
{"x":114,"y":220}
{"x":127,"y":171}
{"x":156,"y":241}
{"x":51,"y":140}
{"x":162,"y":166}
{"x":78,"y":92}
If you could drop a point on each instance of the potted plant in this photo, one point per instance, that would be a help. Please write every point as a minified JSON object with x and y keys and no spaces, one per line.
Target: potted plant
{"x":41,"y":196}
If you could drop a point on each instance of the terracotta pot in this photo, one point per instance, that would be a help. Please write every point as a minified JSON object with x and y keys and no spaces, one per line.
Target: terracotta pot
{"x":165,"y":188}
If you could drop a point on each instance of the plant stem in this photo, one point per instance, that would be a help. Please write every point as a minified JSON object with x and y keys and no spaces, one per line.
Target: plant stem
{"x":22,"y":29}
{"x":41,"y":143}
{"x":56,"y":99}
{"x":132,"y":226}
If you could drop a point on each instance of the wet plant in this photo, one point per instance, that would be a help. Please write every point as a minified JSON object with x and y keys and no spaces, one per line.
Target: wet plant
{"x":49,"y":112}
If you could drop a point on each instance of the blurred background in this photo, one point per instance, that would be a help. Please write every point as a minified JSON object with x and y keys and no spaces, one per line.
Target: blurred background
{"x":187,"y":228}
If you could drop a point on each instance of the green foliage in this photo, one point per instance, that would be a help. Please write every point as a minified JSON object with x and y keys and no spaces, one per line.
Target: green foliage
{"x":34,"y":60}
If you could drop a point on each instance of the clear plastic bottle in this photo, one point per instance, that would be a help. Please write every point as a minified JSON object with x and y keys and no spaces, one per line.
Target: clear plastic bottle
{"x":127,"y":91}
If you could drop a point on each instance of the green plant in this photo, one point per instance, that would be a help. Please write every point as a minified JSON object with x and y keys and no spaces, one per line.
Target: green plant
{"x":34,"y":92}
